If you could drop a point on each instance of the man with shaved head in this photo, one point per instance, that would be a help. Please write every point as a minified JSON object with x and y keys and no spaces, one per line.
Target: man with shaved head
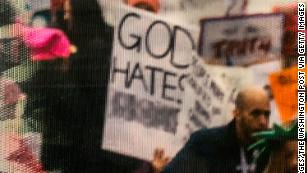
{"x":224,"y":149}
{"x":251,"y":113}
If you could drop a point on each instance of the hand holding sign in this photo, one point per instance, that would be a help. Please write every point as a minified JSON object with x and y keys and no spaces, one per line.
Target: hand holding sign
{"x":160,"y":160}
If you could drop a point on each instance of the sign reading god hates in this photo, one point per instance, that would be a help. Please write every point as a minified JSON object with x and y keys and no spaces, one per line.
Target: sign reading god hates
{"x":150,"y":63}
{"x":242,"y":40}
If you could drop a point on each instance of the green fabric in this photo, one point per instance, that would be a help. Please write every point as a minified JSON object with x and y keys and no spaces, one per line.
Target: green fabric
{"x":265,"y":144}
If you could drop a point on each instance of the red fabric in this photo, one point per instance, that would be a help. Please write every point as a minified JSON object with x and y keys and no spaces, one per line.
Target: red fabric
{"x":20,"y":158}
{"x":155,"y":4}
{"x":290,"y":28}
{"x":57,"y":5}
{"x":25,"y":157}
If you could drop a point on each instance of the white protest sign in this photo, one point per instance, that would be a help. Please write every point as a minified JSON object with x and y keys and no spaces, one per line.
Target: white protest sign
{"x":150,"y":61}
{"x":210,"y":93}
{"x":181,"y":11}
{"x":242,"y":40}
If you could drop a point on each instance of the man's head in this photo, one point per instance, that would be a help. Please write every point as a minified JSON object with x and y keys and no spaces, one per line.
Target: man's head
{"x":148,"y":5}
{"x":251,"y":113}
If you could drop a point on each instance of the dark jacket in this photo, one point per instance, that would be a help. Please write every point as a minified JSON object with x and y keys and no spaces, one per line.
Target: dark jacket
{"x":211,"y":151}
{"x":76,"y":100}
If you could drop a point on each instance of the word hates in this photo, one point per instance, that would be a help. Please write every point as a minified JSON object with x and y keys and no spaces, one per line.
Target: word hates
{"x":149,"y":76}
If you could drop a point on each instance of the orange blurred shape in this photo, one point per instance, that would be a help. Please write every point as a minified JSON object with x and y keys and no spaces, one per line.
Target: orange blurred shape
{"x":285,"y":92}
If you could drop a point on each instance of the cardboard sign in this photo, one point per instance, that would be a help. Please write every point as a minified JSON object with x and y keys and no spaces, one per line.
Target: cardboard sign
{"x":210,"y":94}
{"x":284,"y":88}
{"x":149,"y":65}
{"x":241,"y":40}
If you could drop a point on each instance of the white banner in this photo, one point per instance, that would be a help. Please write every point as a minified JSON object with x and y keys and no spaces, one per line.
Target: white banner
{"x":242,"y":40}
{"x":210,"y":93}
{"x":150,"y":61}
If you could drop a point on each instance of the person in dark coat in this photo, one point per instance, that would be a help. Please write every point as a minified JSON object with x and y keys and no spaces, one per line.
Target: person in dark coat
{"x":224,"y":149}
{"x":75,"y":95}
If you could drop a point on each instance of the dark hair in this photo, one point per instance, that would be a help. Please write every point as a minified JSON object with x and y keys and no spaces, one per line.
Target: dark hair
{"x":7,"y":13}
{"x":87,"y":19}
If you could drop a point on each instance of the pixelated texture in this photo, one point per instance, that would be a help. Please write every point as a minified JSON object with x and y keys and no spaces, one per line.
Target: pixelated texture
{"x":51,"y":112}
{"x":19,"y":149}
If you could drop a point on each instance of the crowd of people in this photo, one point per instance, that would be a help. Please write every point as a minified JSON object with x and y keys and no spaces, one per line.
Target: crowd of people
{"x":63,"y":95}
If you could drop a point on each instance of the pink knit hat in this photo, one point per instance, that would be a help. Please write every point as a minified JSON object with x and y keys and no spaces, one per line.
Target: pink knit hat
{"x":46,"y":43}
